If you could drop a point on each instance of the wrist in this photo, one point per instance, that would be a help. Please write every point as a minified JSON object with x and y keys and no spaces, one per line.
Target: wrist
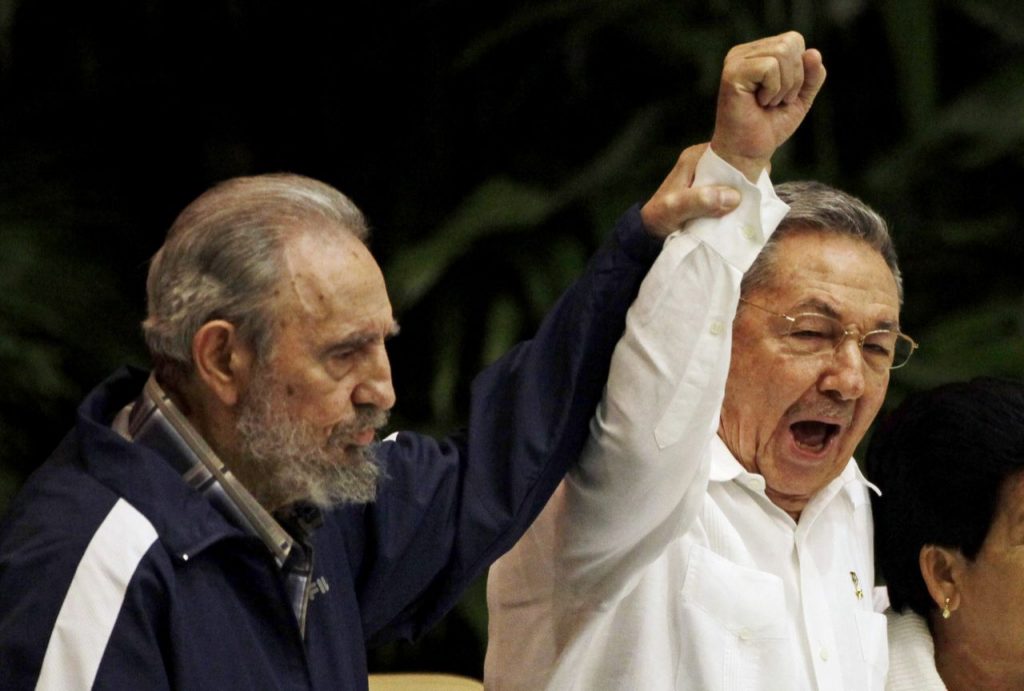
{"x":750,"y":166}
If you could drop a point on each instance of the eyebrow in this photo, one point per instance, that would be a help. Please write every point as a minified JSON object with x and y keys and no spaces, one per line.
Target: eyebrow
{"x":822,"y":307}
{"x":818,"y":306}
{"x":362,"y":338}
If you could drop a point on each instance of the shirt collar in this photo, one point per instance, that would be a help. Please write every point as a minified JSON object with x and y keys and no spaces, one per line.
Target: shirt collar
{"x":154,"y":421}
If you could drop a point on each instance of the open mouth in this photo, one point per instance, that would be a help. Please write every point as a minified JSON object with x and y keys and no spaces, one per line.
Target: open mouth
{"x":812,"y":435}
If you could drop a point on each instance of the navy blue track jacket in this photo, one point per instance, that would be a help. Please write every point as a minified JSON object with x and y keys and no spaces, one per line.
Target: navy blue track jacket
{"x":156,"y":589}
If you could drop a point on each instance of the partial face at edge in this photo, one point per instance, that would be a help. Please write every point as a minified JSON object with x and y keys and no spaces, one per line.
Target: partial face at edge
{"x":796,"y":419}
{"x":989,"y":616}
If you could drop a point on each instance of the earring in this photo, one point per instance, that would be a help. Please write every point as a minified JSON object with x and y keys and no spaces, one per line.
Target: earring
{"x":945,"y":609}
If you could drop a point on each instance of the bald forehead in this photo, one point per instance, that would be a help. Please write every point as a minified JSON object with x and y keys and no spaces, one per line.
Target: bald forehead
{"x":321,"y":267}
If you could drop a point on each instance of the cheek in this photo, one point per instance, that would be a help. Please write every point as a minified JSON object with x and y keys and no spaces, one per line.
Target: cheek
{"x":745,"y":387}
{"x":768,"y":387}
{"x":747,"y":420}
{"x":751,"y":405}
{"x":322,"y":406}
{"x":741,"y":401}
{"x":767,"y":376}
{"x":993,"y":604}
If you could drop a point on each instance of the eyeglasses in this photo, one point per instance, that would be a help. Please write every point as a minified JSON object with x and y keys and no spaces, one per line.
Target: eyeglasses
{"x":817,"y":334}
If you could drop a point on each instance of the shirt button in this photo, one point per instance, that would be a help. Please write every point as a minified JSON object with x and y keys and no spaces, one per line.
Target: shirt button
{"x":717,"y":328}
{"x":823,"y":654}
{"x":744,"y":634}
{"x":754,"y":482}
{"x":748,"y":232}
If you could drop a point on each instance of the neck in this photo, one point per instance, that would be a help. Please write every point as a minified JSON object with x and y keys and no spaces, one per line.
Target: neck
{"x":964,"y":666}
{"x":794,"y":506}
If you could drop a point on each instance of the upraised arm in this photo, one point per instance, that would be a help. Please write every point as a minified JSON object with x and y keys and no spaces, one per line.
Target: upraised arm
{"x":643,"y":474}
{"x":476,"y":493}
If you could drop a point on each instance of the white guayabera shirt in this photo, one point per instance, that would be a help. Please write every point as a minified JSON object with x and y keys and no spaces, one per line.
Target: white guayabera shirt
{"x":660,"y":563}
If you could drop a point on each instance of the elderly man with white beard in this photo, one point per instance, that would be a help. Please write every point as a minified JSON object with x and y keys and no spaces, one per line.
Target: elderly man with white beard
{"x":228,"y":521}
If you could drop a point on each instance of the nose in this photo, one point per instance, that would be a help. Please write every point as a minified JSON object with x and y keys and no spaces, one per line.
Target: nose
{"x":375,"y":387}
{"x":844,"y":375}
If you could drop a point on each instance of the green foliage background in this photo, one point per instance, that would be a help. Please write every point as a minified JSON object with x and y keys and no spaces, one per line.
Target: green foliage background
{"x":491,"y":145}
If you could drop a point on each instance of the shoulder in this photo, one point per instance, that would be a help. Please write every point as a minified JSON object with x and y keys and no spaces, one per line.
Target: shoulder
{"x":64,"y":523}
{"x":65,"y":565}
{"x":412,"y":462}
{"x":57,"y":511}
{"x":911,"y":654}
{"x":72,"y":527}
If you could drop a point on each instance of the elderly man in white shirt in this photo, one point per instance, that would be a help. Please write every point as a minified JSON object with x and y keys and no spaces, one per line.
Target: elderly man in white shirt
{"x":717,"y":533}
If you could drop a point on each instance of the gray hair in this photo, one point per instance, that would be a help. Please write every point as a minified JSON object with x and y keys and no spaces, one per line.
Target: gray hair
{"x":223,"y":258}
{"x":814,"y":206}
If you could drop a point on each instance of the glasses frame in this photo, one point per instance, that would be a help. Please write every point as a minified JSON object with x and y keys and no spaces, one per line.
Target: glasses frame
{"x":846,"y":332}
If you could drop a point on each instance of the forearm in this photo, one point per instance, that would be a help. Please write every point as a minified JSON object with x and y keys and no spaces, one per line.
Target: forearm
{"x":531,"y":410}
{"x":643,"y":472}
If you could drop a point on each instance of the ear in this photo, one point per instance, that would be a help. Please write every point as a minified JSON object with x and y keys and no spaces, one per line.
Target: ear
{"x":942,"y":570}
{"x":223,"y":361}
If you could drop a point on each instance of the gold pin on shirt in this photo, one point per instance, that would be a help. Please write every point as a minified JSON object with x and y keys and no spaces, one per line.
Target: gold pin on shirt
{"x":856,"y":585}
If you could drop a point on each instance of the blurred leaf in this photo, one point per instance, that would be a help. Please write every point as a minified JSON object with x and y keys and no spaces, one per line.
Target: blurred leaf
{"x":615,"y":163}
{"x":1004,"y":18}
{"x":474,"y":606}
{"x":495,"y":205}
{"x":502,"y":330}
{"x":450,"y":341}
{"x":986,"y":340}
{"x":978,"y":128}
{"x":49,"y":289}
{"x":32,"y":366}
{"x":975,"y":230}
{"x":910,"y":25}
{"x":530,"y":18}
{"x":9,"y":482}
{"x":991,"y":116}
{"x":55,"y":328}
{"x":546,"y":274}
{"x":7,"y":10}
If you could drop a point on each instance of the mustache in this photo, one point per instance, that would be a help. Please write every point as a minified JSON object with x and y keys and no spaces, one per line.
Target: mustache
{"x":367,"y":417}
{"x":831,"y":409}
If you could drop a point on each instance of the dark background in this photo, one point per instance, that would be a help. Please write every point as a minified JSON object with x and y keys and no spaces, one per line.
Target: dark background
{"x":491,"y":144}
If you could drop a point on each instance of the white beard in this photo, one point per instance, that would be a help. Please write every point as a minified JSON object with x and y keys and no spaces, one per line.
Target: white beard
{"x":290,"y":461}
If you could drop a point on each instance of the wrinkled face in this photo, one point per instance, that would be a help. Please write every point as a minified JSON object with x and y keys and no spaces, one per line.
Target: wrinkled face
{"x":990,"y":615}
{"x":794,"y":418}
{"x":316,"y":403}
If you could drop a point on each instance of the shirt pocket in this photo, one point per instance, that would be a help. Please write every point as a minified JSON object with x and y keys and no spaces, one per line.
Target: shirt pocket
{"x":874,"y":646}
{"x":733,"y":625}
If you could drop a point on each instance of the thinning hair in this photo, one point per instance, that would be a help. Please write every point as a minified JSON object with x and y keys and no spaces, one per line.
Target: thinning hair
{"x":942,"y":460}
{"x":223,"y":259}
{"x":816,"y":207}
